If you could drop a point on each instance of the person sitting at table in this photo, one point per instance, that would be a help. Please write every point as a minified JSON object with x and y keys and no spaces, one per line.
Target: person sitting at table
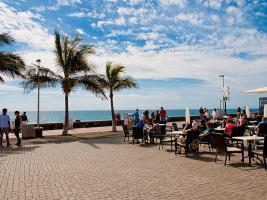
{"x":243,"y":122}
{"x":264,"y":121}
{"x":191,"y":135}
{"x":204,"y":135}
{"x":154,"y":131}
{"x":229,"y":127}
{"x":202,"y":126}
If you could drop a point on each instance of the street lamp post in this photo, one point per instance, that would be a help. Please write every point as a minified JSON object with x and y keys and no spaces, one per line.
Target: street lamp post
{"x":223,"y":100}
{"x":38,"y":93}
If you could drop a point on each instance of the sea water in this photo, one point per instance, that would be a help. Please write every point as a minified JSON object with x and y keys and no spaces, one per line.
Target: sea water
{"x":97,"y":115}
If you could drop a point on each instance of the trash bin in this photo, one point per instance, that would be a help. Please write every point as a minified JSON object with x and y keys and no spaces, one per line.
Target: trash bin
{"x":39,"y":132}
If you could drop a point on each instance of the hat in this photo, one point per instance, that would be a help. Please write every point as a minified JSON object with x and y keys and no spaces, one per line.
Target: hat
{"x":194,"y":124}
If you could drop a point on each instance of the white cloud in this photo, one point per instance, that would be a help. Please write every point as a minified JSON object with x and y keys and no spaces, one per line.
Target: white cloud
{"x":215,"y":4}
{"x":135,"y":1}
{"x":179,"y":3}
{"x":92,"y":14}
{"x":150,"y":45}
{"x":80,"y":31}
{"x":120,"y":21}
{"x":189,"y":17}
{"x":24,"y":28}
{"x":133,"y":20}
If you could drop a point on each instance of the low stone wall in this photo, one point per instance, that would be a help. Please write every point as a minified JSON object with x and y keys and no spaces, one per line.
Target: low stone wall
{"x":78,"y":124}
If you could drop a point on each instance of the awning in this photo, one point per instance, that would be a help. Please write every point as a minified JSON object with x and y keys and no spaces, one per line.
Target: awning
{"x":258,"y":90}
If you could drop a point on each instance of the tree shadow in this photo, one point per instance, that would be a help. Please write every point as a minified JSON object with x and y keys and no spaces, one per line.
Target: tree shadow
{"x":92,"y":141}
{"x":5,"y":151}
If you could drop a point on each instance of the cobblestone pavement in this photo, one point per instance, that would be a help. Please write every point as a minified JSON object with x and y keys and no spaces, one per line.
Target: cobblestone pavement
{"x":107,"y":168}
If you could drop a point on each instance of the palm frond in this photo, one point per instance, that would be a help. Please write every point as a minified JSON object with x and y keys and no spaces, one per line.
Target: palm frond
{"x":11,"y":65}
{"x":93,"y":83}
{"x":125,"y":83}
{"x":5,"y":39}
{"x":45,"y":78}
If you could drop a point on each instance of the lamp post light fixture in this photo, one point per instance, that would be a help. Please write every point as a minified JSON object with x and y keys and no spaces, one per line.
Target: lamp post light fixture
{"x":38,"y":93}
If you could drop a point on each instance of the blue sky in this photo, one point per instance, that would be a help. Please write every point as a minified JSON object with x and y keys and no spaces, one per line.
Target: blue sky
{"x":175,"y":49}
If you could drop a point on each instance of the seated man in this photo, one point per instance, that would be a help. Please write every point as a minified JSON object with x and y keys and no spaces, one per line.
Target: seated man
{"x":204,"y":136}
{"x":191,"y":135}
{"x":140,"y":123}
{"x":263,"y":122}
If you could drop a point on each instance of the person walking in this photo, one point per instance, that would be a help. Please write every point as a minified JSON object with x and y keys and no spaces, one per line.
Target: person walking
{"x":24,"y":118}
{"x":18,"y":123}
{"x":136,"y":116}
{"x":4,"y":126}
{"x":163,"y":115}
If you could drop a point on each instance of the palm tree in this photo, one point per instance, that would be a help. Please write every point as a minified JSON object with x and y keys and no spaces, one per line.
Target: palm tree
{"x":11,"y":65}
{"x":114,"y":82}
{"x":74,"y":72}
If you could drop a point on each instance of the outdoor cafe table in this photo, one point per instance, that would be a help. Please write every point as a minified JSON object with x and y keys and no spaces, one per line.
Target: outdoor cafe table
{"x":249,"y":140}
{"x":219,"y":130}
{"x":252,"y":122}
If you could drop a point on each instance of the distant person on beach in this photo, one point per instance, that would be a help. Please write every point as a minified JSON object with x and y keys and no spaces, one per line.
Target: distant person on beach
{"x":4,"y":126}
{"x":201,"y":112}
{"x":215,"y":114}
{"x":146,"y":114}
{"x":24,"y":118}
{"x":206,"y":113}
{"x":18,"y":123}
{"x":153,"y":115}
{"x":136,"y":116}
{"x":163,"y":115}
{"x":118,"y":118}
{"x":157,"y":117}
{"x":142,"y":116}
{"x":238,"y":112}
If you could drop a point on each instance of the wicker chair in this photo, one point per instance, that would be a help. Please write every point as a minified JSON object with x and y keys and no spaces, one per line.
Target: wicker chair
{"x":262,"y":152}
{"x":222,"y":148}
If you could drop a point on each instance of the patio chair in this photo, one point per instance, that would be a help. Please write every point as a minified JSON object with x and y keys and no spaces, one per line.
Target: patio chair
{"x":262,"y":130}
{"x":170,"y":139}
{"x":126,"y":131}
{"x":207,"y":141}
{"x":191,"y":144}
{"x":236,"y":132}
{"x":174,"y":127}
{"x":262,"y":152}
{"x":222,"y":148}
{"x":138,"y":133}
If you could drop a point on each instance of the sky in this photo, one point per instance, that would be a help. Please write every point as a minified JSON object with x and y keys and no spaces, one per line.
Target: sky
{"x":175,"y":49}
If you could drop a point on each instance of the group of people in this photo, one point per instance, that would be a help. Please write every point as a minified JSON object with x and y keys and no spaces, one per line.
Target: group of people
{"x":5,"y":126}
{"x":159,"y":116}
{"x":204,"y":113}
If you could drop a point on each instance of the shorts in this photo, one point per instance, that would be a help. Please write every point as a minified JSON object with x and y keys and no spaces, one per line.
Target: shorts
{"x":4,"y":130}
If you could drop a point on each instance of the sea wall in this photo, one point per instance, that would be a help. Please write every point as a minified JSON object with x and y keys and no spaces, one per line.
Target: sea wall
{"x":78,"y":124}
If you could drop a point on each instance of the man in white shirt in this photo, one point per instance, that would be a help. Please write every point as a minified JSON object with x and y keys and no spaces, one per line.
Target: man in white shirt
{"x":4,"y":126}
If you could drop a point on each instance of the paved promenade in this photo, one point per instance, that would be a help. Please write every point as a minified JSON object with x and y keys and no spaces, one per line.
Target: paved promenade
{"x":82,"y":167}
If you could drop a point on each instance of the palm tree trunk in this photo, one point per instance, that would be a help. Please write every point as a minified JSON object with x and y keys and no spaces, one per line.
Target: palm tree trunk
{"x":66,"y":124}
{"x":112,"y":113}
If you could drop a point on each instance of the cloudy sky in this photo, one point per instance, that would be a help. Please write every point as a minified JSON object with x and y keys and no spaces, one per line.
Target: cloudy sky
{"x":175,"y":49}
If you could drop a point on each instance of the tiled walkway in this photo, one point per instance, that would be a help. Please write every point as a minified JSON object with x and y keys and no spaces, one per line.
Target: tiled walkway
{"x":78,"y":167}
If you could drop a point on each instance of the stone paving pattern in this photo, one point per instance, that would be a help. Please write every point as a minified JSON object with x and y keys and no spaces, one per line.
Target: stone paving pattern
{"x":78,"y":167}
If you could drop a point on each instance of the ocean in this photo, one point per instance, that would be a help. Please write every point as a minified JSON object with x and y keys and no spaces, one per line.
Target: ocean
{"x":97,"y":115}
